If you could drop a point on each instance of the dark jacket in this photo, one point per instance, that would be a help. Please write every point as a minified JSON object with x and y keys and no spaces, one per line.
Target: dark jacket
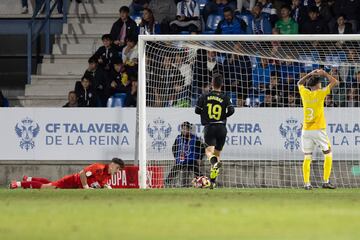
{"x":318,"y":26}
{"x":131,"y":29}
{"x":299,"y":15}
{"x":325,"y":12}
{"x":116,"y":76}
{"x":236,"y":26}
{"x":106,"y":55}
{"x":131,"y":100}
{"x":98,"y":80}
{"x":347,"y":30}
{"x":348,"y":7}
{"x":86,"y":97}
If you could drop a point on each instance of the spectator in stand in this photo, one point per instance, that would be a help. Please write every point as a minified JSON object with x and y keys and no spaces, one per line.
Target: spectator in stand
{"x":187,"y":17}
{"x":329,"y":102}
{"x":351,"y":9}
{"x":269,"y":100}
{"x":86,"y":96}
{"x":179,"y":97}
{"x":275,"y":89}
{"x":72,"y":100}
{"x":97,"y":79}
{"x":246,"y":5}
{"x":216,"y":7}
{"x":123,"y":28}
{"x":341,"y":26}
{"x":352,"y":98}
{"x":164,"y":13}
{"x":130,"y":55}
{"x":339,"y":92}
{"x":169,"y":77}
{"x":105,"y":53}
{"x":148,"y":24}
{"x":315,"y":25}
{"x":356,"y":83}
{"x":212,"y":65}
{"x":291,"y":101}
{"x":131,"y":95}
{"x":259,"y":24}
{"x":298,"y":12}
{"x":182,"y":63}
{"x":268,"y":11}
{"x":188,"y":151}
{"x":3,"y":101}
{"x":118,"y":81}
{"x":231,"y":24}
{"x":137,"y":6}
{"x":238,"y":74}
{"x":324,"y":10}
{"x":350,"y":72}
{"x":286,"y":24}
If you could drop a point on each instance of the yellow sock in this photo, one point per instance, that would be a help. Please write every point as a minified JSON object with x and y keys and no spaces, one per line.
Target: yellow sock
{"x":306,"y":169}
{"x":327,"y":166}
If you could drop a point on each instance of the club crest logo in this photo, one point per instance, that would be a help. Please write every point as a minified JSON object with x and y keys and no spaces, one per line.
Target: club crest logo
{"x":159,"y":130}
{"x":27,"y":130}
{"x":291,"y":131}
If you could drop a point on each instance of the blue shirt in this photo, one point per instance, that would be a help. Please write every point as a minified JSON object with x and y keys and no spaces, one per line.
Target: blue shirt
{"x":233,"y":27}
{"x":187,"y":150}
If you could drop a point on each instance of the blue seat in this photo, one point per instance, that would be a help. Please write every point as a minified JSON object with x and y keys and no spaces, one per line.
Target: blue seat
{"x":212,"y":23}
{"x":118,"y":100}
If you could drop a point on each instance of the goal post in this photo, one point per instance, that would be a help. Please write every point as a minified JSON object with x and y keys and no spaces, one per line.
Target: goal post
{"x":259,"y":74}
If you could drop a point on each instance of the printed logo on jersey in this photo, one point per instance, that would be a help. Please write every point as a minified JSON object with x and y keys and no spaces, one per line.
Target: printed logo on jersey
{"x":27,"y":130}
{"x":159,"y":131}
{"x":290,"y":130}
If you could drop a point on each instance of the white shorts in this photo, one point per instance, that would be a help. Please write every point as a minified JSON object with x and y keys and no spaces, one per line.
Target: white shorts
{"x":314,"y":138}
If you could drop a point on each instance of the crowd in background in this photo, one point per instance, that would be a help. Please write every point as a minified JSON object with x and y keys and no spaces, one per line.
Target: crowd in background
{"x":251,"y":82}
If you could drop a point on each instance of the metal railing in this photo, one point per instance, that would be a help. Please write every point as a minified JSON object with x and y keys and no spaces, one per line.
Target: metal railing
{"x":33,"y":33}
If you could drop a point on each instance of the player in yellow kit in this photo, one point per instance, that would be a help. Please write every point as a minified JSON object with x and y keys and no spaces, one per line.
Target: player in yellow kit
{"x":314,"y":126}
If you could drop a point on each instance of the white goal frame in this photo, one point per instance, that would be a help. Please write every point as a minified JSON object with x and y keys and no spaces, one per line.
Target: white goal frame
{"x":141,"y":107}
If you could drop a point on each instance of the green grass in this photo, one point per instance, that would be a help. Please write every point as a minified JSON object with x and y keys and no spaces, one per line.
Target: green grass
{"x":180,"y":214}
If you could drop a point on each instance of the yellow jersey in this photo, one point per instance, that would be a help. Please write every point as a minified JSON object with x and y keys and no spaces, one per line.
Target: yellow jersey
{"x":313,"y":105}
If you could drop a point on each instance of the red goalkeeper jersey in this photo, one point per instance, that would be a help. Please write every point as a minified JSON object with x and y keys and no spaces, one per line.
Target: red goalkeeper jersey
{"x":97,"y":176}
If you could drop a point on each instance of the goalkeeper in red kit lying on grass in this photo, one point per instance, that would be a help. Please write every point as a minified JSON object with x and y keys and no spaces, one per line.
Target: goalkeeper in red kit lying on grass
{"x":94,"y":176}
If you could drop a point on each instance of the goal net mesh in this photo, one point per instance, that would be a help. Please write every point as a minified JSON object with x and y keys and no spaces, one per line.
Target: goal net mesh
{"x":263,"y":145}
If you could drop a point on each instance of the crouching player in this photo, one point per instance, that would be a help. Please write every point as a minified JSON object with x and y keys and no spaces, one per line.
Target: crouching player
{"x":94,"y":176}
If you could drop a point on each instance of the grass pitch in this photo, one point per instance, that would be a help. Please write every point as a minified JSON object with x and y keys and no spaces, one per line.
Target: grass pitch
{"x":180,"y":214}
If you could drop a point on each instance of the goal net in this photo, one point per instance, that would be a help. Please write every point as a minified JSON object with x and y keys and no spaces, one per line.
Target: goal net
{"x":263,"y":145}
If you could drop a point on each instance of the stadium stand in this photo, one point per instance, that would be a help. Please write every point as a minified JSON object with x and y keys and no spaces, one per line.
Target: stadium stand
{"x":89,"y":20}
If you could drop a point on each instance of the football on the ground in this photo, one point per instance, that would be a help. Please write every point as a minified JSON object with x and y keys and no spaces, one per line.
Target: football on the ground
{"x":201,"y":182}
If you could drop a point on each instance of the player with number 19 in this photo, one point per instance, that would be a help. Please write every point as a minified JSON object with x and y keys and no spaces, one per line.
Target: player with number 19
{"x":214,"y":109}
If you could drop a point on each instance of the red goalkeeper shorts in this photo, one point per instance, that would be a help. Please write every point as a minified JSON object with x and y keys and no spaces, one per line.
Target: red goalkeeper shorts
{"x":68,"y":182}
